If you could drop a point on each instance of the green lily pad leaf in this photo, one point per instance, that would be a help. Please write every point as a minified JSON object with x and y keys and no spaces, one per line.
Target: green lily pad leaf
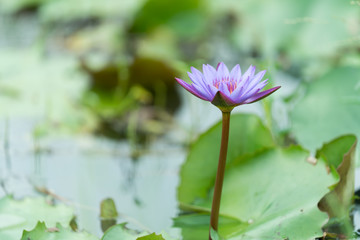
{"x":41,"y":232}
{"x":275,"y":192}
{"x":214,"y":234}
{"x":108,"y":213}
{"x":26,"y":213}
{"x":337,"y":203}
{"x":152,"y":236}
{"x":332,"y":153}
{"x":108,"y":208}
{"x":196,"y":226}
{"x":247,"y":135}
{"x":9,"y":220}
{"x":118,"y":232}
{"x":121,"y":232}
{"x":330,"y":108}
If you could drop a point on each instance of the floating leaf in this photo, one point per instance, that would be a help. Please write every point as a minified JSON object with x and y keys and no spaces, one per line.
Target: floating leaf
{"x":271,"y":192}
{"x":340,"y":153}
{"x":41,"y":232}
{"x":120,"y":232}
{"x":108,"y":213}
{"x":26,"y":213}
{"x":10,"y":220}
{"x":214,"y":235}
{"x":330,"y":108}
{"x":247,"y":136}
{"x":152,"y":236}
{"x":196,"y":226}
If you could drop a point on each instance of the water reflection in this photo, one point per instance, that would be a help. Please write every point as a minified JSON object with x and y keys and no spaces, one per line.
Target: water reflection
{"x":82,"y":171}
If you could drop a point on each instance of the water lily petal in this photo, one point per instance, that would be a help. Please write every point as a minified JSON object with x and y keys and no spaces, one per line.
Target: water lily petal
{"x":256,"y":79}
{"x":195,"y":79}
{"x":198,"y":82}
{"x":191,"y":89}
{"x":235,"y":73}
{"x":261,"y":95}
{"x":213,"y":90}
{"x":246,"y":77}
{"x":209,"y":73}
{"x":203,"y":91}
{"x":226,"y":90}
{"x":222,"y":72}
{"x":239,"y":91}
{"x":253,"y":90}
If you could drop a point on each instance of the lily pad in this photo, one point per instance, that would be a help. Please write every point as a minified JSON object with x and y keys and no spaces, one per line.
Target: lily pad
{"x":152,"y":236}
{"x":121,"y":232}
{"x":25,"y":214}
{"x":330,"y":108}
{"x":340,"y":153}
{"x":41,"y":232}
{"x":276,"y":192}
{"x":247,"y":135}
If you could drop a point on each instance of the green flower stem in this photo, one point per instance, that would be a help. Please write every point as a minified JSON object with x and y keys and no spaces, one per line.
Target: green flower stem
{"x":214,"y":219}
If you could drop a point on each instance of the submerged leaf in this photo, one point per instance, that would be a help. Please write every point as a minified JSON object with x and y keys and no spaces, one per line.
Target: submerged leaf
{"x":340,"y":154}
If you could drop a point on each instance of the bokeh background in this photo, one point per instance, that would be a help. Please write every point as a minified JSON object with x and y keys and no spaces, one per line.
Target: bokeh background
{"x":89,"y":107}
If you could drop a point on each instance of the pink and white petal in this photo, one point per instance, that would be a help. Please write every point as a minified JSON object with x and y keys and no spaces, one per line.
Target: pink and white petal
{"x":236,"y":94}
{"x":249,"y":73}
{"x":222,"y":71}
{"x":223,"y":87}
{"x":235,"y":73}
{"x":209,"y":74}
{"x":213,"y":90}
{"x":244,"y":84}
{"x":204,"y":91}
{"x":246,"y":77}
{"x":195,"y":79}
{"x":261,"y":85}
{"x":239,"y":90}
{"x":198,"y":83}
{"x":256,"y":79}
{"x":191,"y":89}
{"x":211,"y":68}
{"x":261,"y":95}
{"x":197,"y":73}
{"x":255,"y":89}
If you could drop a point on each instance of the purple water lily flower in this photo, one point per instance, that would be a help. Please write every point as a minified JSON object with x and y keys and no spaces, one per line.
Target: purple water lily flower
{"x":225,"y":89}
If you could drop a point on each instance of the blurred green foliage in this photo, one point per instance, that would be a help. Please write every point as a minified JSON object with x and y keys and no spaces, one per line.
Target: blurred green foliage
{"x":108,"y":67}
{"x":130,"y":51}
{"x":270,"y":191}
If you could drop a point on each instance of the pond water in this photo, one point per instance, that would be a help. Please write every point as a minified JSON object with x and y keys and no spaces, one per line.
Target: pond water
{"x":82,"y":170}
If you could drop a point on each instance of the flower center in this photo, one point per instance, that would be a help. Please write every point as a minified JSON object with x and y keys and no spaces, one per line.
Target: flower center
{"x":230,"y":83}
